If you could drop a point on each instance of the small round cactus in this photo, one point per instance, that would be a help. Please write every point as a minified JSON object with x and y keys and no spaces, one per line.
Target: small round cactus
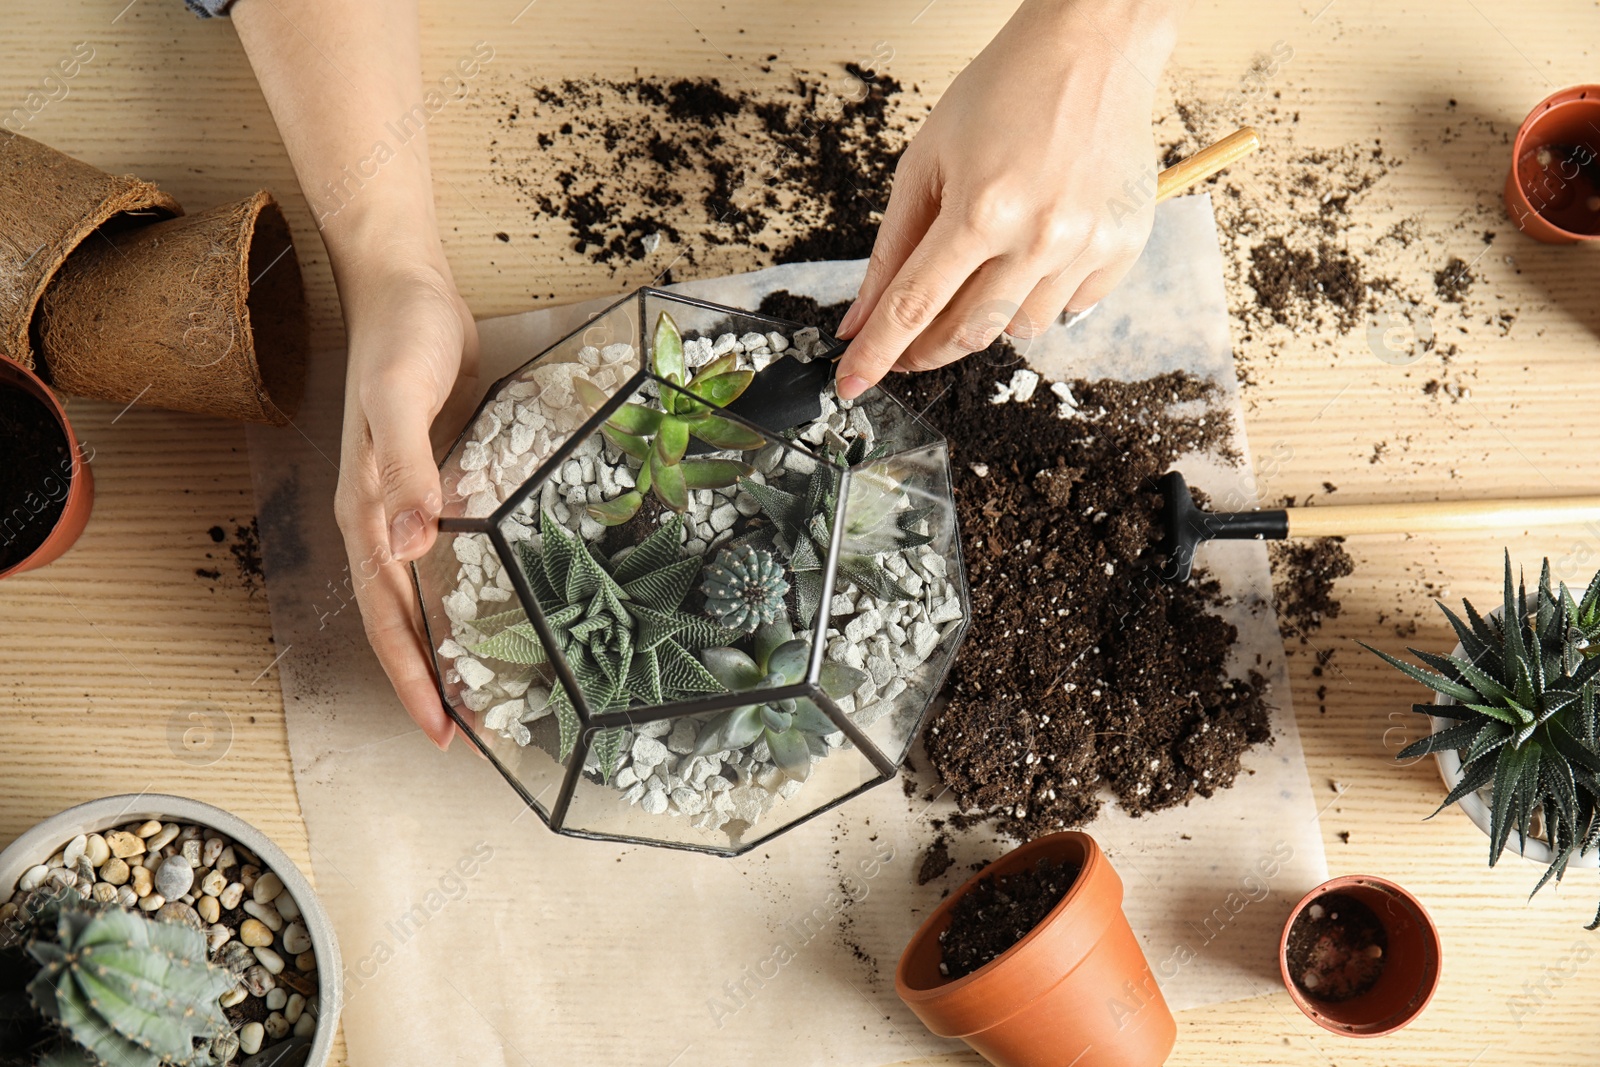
{"x":744,"y":588}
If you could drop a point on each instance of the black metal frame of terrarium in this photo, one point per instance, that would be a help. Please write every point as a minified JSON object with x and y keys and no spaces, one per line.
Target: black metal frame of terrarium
{"x":556,"y":813}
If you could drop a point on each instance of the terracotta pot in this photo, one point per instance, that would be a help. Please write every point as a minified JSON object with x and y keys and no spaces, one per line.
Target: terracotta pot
{"x":1076,"y":990}
{"x":1542,"y":200}
{"x":78,"y":482}
{"x":1410,"y":975}
{"x":107,"y":812}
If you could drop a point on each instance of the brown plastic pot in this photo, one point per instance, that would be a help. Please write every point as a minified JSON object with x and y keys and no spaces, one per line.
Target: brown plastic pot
{"x":77,"y":483}
{"x":1409,"y":978}
{"x":1540,"y":202}
{"x":1076,"y":990}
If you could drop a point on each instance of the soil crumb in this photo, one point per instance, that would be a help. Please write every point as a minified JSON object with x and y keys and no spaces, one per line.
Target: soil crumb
{"x":935,"y":861}
{"x":999,"y":912}
{"x":1452,"y":281}
{"x":1303,"y":576}
{"x":1336,"y":949}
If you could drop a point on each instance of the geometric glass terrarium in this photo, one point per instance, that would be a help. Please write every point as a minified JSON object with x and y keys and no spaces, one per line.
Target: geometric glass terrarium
{"x":682,"y":595}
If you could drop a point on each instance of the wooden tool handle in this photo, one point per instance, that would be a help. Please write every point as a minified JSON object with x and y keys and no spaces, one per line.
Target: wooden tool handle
{"x":1206,"y":162}
{"x":1338,"y":520}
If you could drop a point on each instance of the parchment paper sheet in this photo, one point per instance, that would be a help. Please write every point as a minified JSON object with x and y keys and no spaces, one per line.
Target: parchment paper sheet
{"x":474,"y":935}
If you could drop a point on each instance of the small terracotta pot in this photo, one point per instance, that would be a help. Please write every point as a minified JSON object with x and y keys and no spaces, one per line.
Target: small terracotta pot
{"x":1076,"y":990}
{"x":78,"y":481}
{"x":1539,"y":202}
{"x":1410,"y":975}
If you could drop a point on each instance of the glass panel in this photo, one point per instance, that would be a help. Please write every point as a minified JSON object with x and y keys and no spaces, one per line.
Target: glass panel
{"x":533,"y":412}
{"x":716,"y":330}
{"x":722,"y":801}
{"x":468,"y":598}
{"x":900,"y":607}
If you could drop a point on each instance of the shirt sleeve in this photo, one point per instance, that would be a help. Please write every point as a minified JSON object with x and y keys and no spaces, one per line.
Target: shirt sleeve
{"x":209,"y":8}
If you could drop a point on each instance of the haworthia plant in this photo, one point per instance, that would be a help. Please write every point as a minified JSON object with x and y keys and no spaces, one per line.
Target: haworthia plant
{"x":618,"y":623}
{"x":658,"y":437}
{"x":877,"y":521}
{"x":129,"y":990}
{"x":1525,"y":714}
{"x":779,"y":660}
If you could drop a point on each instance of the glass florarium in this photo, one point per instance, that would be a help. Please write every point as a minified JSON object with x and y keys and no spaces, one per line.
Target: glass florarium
{"x":682,"y":595}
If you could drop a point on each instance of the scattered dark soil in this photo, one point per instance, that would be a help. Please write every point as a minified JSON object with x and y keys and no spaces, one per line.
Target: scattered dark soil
{"x":1336,"y":949}
{"x":935,"y":861}
{"x":1303,"y":576}
{"x":244,"y":551}
{"x":660,"y":172}
{"x":1087,"y":672}
{"x":35,"y":477}
{"x":1453,"y":280}
{"x":1301,"y":287}
{"x":999,"y":912}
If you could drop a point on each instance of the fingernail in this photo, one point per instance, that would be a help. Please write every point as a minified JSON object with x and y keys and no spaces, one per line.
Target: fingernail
{"x":405,"y":534}
{"x":852,"y":386}
{"x":847,"y":325}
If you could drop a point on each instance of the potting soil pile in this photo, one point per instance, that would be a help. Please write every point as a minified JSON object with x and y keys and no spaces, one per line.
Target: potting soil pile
{"x":472,"y":933}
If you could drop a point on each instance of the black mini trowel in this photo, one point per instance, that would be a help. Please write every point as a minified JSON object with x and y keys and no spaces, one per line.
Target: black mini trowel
{"x":786,"y":394}
{"x":1184,"y":525}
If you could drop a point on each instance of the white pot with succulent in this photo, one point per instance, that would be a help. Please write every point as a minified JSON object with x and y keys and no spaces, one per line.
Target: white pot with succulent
{"x":212,"y":946}
{"x":1516,"y":722}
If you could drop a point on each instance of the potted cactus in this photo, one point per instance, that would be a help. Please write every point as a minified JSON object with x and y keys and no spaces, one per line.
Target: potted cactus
{"x":145,"y":931}
{"x":1517,"y":717}
{"x":686,"y":595}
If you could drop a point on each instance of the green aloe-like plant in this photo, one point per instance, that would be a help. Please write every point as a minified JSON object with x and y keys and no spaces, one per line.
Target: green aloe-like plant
{"x":1525,"y":714}
{"x":800,"y":510}
{"x":126,"y":989}
{"x":658,"y":437}
{"x":619,"y":625}
{"x":780,"y":659}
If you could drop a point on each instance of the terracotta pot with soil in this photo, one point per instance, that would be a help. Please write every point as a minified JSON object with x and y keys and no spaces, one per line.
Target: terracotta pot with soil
{"x":1033,"y":964}
{"x":1553,"y":189}
{"x":46,"y":488}
{"x":1360,"y":956}
{"x":200,"y":904}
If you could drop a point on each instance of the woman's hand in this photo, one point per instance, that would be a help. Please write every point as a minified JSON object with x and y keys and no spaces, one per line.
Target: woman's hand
{"x":336,"y":76}
{"x":410,"y":337}
{"x":1030,"y":189}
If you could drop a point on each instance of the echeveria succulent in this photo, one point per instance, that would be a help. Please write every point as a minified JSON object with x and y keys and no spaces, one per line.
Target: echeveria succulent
{"x":780,"y":659}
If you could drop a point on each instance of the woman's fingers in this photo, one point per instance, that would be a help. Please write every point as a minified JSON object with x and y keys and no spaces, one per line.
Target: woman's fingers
{"x":984,"y":307}
{"x":394,"y":627}
{"x":935,"y":271}
{"x":912,"y":208}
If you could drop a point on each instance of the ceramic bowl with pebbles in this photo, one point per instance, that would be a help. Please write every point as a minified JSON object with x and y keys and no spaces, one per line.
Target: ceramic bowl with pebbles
{"x":683,"y":594}
{"x":263,"y":943}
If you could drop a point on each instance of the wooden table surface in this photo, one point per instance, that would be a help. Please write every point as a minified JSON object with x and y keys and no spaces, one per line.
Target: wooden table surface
{"x":111,"y":652}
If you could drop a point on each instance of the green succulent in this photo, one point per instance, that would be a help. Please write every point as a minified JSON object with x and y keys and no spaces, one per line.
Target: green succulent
{"x":659,"y":437}
{"x":800,"y":511}
{"x":1524,"y":714}
{"x":619,"y":624}
{"x":780,"y":659}
{"x":744,"y":588}
{"x":127,"y":989}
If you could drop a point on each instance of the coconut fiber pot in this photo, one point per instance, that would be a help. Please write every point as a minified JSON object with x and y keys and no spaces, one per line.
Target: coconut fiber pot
{"x":107,"y":812}
{"x":1076,"y":990}
{"x":49,"y":204}
{"x":1410,"y":975}
{"x":204,"y":313}
{"x":1555,"y":168}
{"x":65,"y":484}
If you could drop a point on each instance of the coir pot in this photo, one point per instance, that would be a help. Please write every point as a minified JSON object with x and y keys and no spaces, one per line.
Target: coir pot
{"x":69,"y":487}
{"x":1075,"y":990}
{"x":1410,"y":975}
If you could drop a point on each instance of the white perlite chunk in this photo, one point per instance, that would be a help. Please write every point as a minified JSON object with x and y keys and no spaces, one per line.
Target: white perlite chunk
{"x":1019,"y":389}
{"x":1068,"y":405}
{"x":473,"y":672}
